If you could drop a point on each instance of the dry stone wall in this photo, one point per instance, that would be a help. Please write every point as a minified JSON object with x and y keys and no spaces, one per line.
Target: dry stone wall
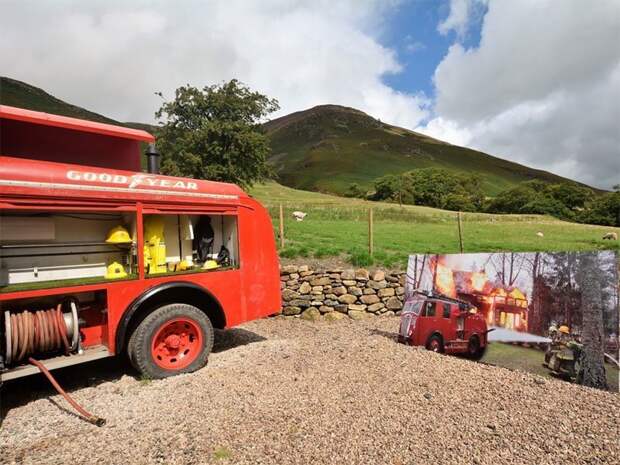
{"x":336,"y":294}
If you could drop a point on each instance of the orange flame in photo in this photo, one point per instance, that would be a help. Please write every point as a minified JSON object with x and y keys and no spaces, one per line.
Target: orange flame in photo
{"x":444,"y":280}
{"x":478,"y":280}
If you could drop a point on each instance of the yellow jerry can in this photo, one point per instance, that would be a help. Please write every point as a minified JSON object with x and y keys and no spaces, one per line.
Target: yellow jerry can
{"x":154,"y":245}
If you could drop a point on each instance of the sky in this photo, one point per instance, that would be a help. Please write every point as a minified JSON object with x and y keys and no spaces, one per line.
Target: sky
{"x":532,"y":81}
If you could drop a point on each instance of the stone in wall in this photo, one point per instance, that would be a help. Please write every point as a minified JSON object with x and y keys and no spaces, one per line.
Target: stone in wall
{"x":334,"y":294}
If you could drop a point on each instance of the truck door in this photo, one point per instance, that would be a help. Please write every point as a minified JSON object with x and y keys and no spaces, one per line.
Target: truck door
{"x":448,"y":322}
{"x":428,"y":323}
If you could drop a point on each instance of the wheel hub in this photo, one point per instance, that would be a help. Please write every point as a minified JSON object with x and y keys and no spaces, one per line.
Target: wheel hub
{"x":177,"y":343}
{"x":173,"y":341}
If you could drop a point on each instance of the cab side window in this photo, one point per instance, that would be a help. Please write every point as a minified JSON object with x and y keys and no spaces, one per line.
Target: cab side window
{"x":429,"y":309}
{"x":446,"y":310}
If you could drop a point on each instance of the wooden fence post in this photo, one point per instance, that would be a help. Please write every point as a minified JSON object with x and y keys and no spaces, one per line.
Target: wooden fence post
{"x":370,"y":233}
{"x":281,"y":227}
{"x":458,"y":216}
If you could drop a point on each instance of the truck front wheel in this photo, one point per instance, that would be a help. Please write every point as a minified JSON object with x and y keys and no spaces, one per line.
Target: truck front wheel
{"x":173,"y":339}
{"x":435,"y":344}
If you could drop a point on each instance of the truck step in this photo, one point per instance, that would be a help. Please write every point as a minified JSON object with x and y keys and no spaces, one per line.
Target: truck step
{"x":88,"y":355}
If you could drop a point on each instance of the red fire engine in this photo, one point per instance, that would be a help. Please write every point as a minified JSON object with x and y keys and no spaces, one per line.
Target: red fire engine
{"x":443,"y":324}
{"x":102,"y":259}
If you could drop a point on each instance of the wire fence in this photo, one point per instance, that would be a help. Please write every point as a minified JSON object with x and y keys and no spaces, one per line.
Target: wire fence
{"x":364,"y":231}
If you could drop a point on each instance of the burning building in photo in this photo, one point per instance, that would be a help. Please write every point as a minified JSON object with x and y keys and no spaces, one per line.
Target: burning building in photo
{"x":502,"y":305}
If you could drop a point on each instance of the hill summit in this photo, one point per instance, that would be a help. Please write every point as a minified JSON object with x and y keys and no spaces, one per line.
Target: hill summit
{"x":328,"y":147}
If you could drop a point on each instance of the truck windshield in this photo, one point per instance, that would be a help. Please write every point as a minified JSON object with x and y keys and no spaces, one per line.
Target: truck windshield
{"x":413,"y":306}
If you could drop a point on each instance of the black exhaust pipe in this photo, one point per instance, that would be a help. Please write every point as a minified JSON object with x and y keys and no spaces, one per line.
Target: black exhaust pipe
{"x":152,"y":159}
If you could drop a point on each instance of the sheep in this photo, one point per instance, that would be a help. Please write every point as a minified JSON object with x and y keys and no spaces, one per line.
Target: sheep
{"x":612,"y":236}
{"x":299,"y":216}
{"x":540,"y":234}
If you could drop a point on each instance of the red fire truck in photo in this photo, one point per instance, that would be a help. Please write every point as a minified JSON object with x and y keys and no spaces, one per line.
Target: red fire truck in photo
{"x":443,"y":324}
{"x":98,"y":258}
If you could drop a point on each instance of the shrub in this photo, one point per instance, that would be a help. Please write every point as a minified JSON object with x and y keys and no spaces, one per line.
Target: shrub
{"x":360,"y":258}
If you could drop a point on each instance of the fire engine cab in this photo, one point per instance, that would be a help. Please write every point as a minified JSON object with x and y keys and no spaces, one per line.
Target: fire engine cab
{"x":443,"y":325}
{"x":98,"y":258}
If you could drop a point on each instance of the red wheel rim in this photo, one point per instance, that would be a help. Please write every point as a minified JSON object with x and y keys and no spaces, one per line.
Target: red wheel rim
{"x":435,"y":345}
{"x":177,"y":343}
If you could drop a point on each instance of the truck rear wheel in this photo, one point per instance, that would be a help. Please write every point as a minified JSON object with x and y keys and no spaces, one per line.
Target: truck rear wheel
{"x":173,"y":339}
{"x":474,"y":349}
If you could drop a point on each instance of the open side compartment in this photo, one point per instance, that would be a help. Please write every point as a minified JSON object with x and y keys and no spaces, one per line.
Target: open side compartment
{"x":77,"y":248}
{"x":176,"y":243}
{"x":63,"y":329}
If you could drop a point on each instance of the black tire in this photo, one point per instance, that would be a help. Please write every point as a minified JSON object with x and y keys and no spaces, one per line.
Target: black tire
{"x":474,"y":350}
{"x":435,"y":344}
{"x":140,"y":341}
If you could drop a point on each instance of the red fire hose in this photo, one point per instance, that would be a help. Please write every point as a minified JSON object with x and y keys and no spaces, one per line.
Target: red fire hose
{"x":44,"y":331}
{"x":85,"y":414}
{"x":40,"y":331}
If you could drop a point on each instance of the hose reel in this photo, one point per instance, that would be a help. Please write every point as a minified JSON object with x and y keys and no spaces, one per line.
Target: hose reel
{"x":41,"y":331}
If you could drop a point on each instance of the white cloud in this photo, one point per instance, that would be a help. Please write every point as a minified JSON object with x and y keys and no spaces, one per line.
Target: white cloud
{"x":461,"y":14}
{"x":111,"y":56}
{"x":542,"y":88}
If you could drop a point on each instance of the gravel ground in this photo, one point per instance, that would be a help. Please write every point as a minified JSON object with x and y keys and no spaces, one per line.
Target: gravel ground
{"x":281,"y":391}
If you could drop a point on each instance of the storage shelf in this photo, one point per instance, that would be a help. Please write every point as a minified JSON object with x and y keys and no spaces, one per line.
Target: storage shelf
{"x":35,"y":286}
{"x":63,"y":244}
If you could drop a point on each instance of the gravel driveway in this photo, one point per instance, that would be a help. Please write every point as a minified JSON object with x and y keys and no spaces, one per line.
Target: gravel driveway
{"x":280,"y":391}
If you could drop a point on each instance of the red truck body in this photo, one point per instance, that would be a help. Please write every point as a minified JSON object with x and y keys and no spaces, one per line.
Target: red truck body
{"x":442,"y":324}
{"x":65,"y":210}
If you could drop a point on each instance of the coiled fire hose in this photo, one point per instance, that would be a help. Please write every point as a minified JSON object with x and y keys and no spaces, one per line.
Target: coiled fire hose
{"x":40,"y":331}
{"x":43,"y":331}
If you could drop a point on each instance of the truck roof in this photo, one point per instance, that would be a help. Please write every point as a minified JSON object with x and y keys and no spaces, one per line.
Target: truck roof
{"x":42,"y":136}
{"x":48,"y":119}
{"x":21,"y":177}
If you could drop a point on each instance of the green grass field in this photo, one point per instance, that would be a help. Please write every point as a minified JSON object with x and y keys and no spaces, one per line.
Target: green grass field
{"x":528,"y":359}
{"x":337,"y":226}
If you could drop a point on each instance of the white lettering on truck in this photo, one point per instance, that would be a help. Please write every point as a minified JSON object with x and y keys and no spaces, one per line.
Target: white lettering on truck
{"x":133,"y":181}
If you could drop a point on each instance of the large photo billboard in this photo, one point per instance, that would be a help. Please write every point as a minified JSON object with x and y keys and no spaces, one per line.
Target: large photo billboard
{"x":555,"y":312}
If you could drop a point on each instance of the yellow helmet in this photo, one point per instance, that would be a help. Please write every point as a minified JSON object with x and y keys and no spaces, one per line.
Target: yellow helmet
{"x":118,"y":235}
{"x":210,"y":265}
{"x":564,"y":329}
{"x":115,"y":270}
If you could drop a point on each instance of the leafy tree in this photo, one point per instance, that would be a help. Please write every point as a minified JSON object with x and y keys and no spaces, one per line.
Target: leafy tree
{"x":355,"y":190}
{"x":545,"y":205}
{"x":386,"y":187}
{"x":459,"y":202}
{"x":473,"y":186}
{"x":604,"y":209}
{"x":512,"y":200}
{"x":562,"y":200}
{"x":570,"y":195}
{"x":214,"y":133}
{"x":433,"y":187}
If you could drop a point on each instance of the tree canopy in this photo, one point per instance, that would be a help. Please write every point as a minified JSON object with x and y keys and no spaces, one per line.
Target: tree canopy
{"x":433,"y":187}
{"x":215,"y":133}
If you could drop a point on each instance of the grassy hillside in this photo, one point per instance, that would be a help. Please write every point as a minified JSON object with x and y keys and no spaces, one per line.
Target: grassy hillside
{"x":329,"y":147}
{"x":338,"y":227}
{"x":20,"y":94}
